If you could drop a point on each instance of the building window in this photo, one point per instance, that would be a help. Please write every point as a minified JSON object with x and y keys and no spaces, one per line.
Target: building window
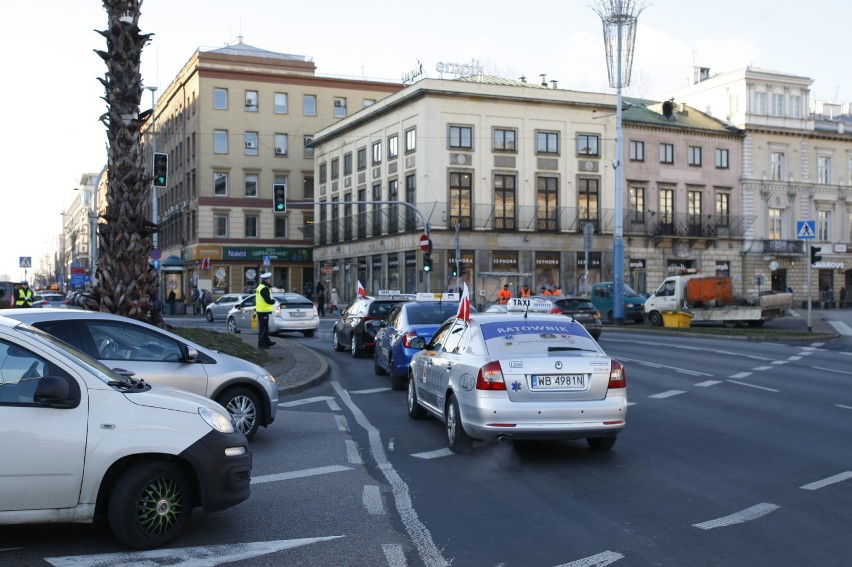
{"x":362,"y":159}
{"x":368,"y":102}
{"x":280,"y":103}
{"x":693,"y":211}
{"x":339,"y":107}
{"x":722,"y":158}
{"x":410,"y":198}
{"x":251,"y":143}
{"x":347,"y":216}
{"x":377,"y":152}
{"x":220,"y":225}
{"x":282,"y":144}
{"x":251,"y":185}
{"x":760,"y":103}
{"x":220,"y":141}
{"x":461,"y":199}
{"x":505,"y":140}
{"x":666,"y":209}
{"x":461,"y":137}
{"x":251,"y":101}
{"x":776,"y":166}
{"x":587,"y":145}
{"x":823,"y":225}
{"x":504,"y":202}
{"x":636,"y":196}
{"x":410,"y":140}
{"x":693,"y":156}
{"x":795,"y":108}
{"x":307,"y":143}
{"x":309,"y":105}
{"x":588,"y":194}
{"x":377,"y":209}
{"x":393,"y":210}
{"x":775,"y":224}
{"x":280,"y":226}
{"x":723,"y":209}
{"x":666,"y":153}
{"x":824,"y":170}
{"x":308,"y":187}
{"x":335,"y":168}
{"x":393,"y":146}
{"x":220,"y":184}
{"x":637,"y":150}
{"x":323,"y":172}
{"x":361,"y":209}
{"x":347,"y":164}
{"x":220,"y":99}
{"x":251,"y":226}
{"x":547,"y":205}
{"x":547,"y":142}
{"x":777,"y":104}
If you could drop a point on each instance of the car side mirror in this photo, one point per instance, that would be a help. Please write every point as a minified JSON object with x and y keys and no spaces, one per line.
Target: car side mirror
{"x":57,"y":392}
{"x":417,"y":342}
{"x":190,"y":354}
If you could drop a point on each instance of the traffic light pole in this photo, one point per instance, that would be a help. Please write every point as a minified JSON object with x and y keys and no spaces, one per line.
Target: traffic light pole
{"x":810,"y":280}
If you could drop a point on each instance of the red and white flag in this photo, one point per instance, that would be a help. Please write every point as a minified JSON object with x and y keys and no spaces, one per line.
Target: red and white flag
{"x":361,"y":291}
{"x":464,"y":305}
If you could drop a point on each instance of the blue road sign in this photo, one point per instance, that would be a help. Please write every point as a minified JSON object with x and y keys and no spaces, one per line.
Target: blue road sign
{"x":805,"y":230}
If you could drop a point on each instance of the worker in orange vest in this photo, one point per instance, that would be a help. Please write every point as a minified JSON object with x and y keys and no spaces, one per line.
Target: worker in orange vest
{"x":505,"y":295}
{"x":526,"y":291}
{"x":545,"y":291}
{"x":557,"y":290}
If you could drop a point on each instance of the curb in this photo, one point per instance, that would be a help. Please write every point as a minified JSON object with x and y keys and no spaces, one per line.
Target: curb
{"x":313,"y":379}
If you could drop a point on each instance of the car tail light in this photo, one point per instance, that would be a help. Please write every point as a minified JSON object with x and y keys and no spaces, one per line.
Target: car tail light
{"x":490,"y":377}
{"x":406,"y":338}
{"x":617,"y":377}
{"x":556,"y":311}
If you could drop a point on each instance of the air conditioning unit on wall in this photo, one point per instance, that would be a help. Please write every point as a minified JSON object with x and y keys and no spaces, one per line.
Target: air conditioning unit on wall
{"x":279,"y":151}
{"x":250,"y":145}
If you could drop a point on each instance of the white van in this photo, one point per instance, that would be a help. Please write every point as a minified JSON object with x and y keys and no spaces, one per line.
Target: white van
{"x":81,"y":442}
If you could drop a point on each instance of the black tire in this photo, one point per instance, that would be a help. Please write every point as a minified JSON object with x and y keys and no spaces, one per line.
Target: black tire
{"x":601,"y":443}
{"x":756,"y":323}
{"x":244,"y":407}
{"x":335,"y":341}
{"x":354,"y":347}
{"x":308,"y":334}
{"x":150,"y":505}
{"x":596,"y":336}
{"x":209,"y":315}
{"x":232,"y":326}
{"x":377,"y":368}
{"x":655,"y":319}
{"x":458,"y":440}
{"x":397,"y":382}
{"x":415,"y":410}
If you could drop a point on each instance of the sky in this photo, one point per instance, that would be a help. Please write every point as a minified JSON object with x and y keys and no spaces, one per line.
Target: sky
{"x":52,"y":99}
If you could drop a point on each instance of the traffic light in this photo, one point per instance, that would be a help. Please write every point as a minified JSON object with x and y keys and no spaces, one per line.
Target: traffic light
{"x":279,"y":198}
{"x":161,"y":170}
{"x":427,"y":263}
{"x":455,"y":273}
{"x":814,"y":256}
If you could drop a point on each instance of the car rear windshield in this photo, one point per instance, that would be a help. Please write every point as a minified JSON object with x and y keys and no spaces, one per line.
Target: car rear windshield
{"x":575,"y":304}
{"x":535,"y":336}
{"x":430,"y":313}
{"x":382,"y":308}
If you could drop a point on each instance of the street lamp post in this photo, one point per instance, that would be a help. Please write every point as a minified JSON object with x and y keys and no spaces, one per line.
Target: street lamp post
{"x":619,"y":18}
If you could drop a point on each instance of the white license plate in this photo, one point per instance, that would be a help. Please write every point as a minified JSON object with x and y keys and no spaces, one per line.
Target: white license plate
{"x":558,"y":382}
{"x":297,"y":313}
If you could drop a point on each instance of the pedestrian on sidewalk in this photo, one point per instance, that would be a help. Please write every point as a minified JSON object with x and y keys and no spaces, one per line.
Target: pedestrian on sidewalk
{"x":196,"y":301}
{"x":333,"y":301}
{"x":321,"y":300}
{"x":170,"y":300}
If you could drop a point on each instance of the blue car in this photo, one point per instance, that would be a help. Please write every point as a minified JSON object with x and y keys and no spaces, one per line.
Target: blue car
{"x":420,"y":318}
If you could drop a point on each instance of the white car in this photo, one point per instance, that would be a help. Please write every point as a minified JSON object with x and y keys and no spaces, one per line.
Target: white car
{"x":219,"y":309}
{"x":81,"y":442}
{"x":523,"y":374}
{"x":292,"y":313}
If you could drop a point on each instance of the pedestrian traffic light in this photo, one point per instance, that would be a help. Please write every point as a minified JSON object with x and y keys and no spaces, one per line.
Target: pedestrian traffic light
{"x":161,"y":170}
{"x":815,"y":257}
{"x":279,"y":198}
{"x":455,"y":273}
{"x":427,"y":263}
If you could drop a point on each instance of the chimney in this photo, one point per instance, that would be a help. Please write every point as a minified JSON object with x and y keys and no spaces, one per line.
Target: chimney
{"x":701,"y":74}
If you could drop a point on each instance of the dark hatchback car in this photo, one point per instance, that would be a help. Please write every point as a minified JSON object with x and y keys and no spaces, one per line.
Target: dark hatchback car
{"x":582,"y":310}
{"x":356,"y":327}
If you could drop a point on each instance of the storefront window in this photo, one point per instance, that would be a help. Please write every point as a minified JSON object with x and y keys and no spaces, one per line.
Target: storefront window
{"x":220,"y":280}
{"x":410,"y":272}
{"x":546,"y":271}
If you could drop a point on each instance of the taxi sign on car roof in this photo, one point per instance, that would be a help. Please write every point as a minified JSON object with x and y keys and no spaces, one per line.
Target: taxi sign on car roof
{"x":449,"y":296}
{"x":529,"y":305}
{"x":389,"y":292}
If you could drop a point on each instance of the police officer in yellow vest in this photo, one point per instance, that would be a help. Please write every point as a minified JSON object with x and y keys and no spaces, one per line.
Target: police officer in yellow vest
{"x":264,"y":304}
{"x":24,"y":297}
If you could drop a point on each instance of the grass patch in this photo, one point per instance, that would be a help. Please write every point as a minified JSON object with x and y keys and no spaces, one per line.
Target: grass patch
{"x":223,"y":342}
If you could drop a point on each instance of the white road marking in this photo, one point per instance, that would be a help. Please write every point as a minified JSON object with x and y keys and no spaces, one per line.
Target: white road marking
{"x":667,"y":394}
{"x":372,"y":499}
{"x":394,"y":555}
{"x":304,"y":401}
{"x":844,"y":407}
{"x":738,"y":518}
{"x":776,"y":362}
{"x":656,"y":345}
{"x":429,"y":553}
{"x":203,"y":556}
{"x":753,"y":386}
{"x":353,"y":455}
{"x":655,"y":365}
{"x":831,"y":370}
{"x":707,"y":383}
{"x":841,"y":327}
{"x":827,"y":481}
{"x":761,"y":368}
{"x":298,"y":474}
{"x":371,"y":391}
{"x":599,"y":560}
{"x":794,"y":358}
{"x":433,"y":454}
{"x":342,"y":424}
{"x":741,"y":375}
{"x":390,"y":444}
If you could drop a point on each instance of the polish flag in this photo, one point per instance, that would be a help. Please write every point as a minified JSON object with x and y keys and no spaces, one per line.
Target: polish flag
{"x":361,"y":291}
{"x":464,"y":305}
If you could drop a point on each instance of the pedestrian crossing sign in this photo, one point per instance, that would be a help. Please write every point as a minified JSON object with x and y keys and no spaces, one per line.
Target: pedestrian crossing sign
{"x":25,"y":261}
{"x":805,"y":230}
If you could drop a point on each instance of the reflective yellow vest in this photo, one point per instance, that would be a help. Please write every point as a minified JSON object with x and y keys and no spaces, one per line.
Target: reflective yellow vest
{"x":260,"y":304}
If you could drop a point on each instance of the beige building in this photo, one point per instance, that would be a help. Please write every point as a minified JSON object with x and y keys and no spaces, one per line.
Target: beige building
{"x":236,"y":122}
{"x":77,"y":247}
{"x":506,"y":177}
{"x":796,"y":166}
